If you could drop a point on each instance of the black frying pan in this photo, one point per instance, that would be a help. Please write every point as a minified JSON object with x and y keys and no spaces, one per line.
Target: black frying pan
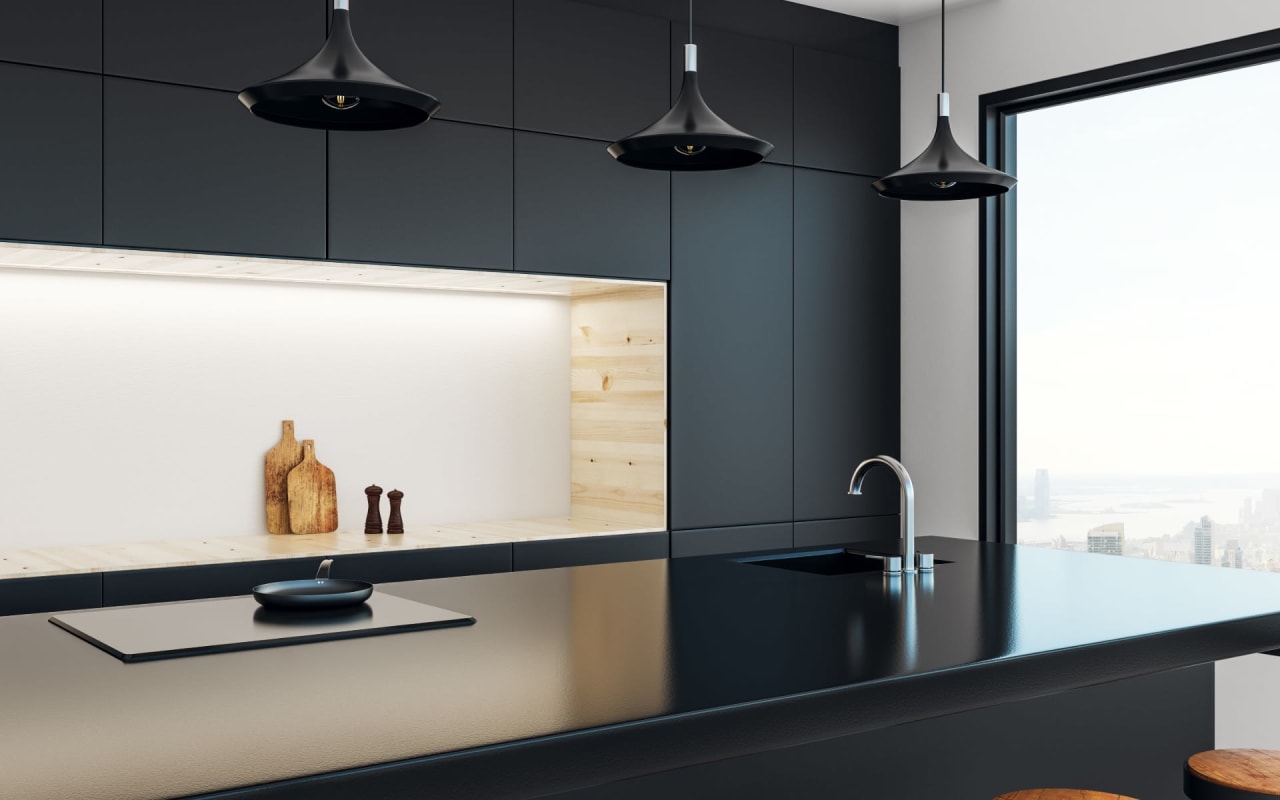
{"x":321,"y":593}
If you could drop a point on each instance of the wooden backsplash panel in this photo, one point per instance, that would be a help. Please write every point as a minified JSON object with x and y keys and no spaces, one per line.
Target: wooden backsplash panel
{"x":618,"y":405}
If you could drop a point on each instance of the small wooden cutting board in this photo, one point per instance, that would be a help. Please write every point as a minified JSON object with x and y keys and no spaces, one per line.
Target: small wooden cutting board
{"x":313,"y":495}
{"x":282,"y":458}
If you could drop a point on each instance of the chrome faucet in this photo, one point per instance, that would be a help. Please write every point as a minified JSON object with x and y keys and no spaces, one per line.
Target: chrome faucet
{"x":907,"y":509}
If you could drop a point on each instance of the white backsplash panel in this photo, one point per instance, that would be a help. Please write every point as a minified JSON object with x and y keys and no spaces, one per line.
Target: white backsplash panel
{"x":138,"y":407}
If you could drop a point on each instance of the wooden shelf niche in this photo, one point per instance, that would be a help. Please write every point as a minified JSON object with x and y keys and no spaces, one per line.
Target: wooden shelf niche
{"x":618,"y":405}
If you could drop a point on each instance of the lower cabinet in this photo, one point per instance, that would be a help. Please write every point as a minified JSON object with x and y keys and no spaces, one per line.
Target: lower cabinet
{"x":222,"y":580}
{"x":590,"y":550}
{"x":738,"y":539}
{"x":862,"y":530}
{"x":53,"y":593}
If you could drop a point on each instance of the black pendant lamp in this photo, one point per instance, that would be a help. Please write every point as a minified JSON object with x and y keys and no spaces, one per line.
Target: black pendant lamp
{"x":339,"y":89}
{"x":944,"y":171}
{"x":690,"y":137}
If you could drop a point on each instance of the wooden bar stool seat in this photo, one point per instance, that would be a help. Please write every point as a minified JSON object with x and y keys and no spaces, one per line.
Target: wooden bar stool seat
{"x":1061,"y":794}
{"x":1232,"y":775}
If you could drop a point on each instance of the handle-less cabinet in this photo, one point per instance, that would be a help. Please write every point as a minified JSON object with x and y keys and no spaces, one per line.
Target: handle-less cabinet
{"x":190,"y":169}
{"x":584,"y":550}
{"x":52,"y":593}
{"x":52,"y":186}
{"x":227,"y":44}
{"x":731,"y":320}
{"x":459,"y":51}
{"x":52,"y":33}
{"x":587,"y":71}
{"x":437,"y":194}
{"x":846,"y":113}
{"x":579,"y":212}
{"x":846,"y":345}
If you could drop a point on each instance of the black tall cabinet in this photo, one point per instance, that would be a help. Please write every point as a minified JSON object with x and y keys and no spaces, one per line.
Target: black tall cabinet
{"x":783,"y":277}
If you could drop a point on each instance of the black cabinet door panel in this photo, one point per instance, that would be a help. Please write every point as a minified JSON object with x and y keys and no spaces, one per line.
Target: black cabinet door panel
{"x":459,"y":51}
{"x":52,"y":593}
{"x":846,"y":344}
{"x":716,"y":541}
{"x":580,"y":212}
{"x":590,"y":550}
{"x":52,"y":187}
{"x":875,"y":534}
{"x":190,"y":169}
{"x":731,"y":309}
{"x":846,"y":113}
{"x":438,"y":194}
{"x":227,"y":44}
{"x":587,"y":71}
{"x":746,"y":81}
{"x":52,"y":33}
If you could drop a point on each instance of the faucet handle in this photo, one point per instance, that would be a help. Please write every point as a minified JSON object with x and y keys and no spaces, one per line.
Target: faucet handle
{"x":924,"y":561}
{"x":893,"y":565}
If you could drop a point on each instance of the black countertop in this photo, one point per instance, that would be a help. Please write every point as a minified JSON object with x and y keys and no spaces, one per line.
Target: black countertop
{"x":614,"y":670}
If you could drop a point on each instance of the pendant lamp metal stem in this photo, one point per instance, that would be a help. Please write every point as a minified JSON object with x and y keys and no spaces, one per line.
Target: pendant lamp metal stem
{"x":341,"y":5}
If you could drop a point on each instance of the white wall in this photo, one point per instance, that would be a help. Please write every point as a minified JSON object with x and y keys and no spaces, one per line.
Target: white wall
{"x":991,"y":46}
{"x":140,"y":408}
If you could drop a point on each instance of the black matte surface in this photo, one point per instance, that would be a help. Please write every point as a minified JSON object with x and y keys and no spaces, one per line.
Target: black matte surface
{"x":458,"y":50}
{"x":589,"y":550}
{"x":190,"y":169}
{"x":731,"y":364}
{"x":227,"y":44}
{"x":741,"y":539}
{"x":819,"y":533}
{"x":763,"y":659}
{"x":846,"y":345}
{"x":587,"y":71}
{"x":846,"y":113}
{"x":52,"y":33}
{"x":579,"y":212}
{"x":52,"y":593}
{"x":746,"y":81}
{"x":438,"y":194}
{"x":52,"y":185}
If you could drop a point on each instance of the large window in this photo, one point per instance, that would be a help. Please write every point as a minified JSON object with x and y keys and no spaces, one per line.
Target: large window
{"x":1142,"y":277}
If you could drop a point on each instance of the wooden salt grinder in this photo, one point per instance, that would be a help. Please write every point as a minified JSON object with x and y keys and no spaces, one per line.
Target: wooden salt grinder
{"x":373,"y":521}
{"x":394,"y":523}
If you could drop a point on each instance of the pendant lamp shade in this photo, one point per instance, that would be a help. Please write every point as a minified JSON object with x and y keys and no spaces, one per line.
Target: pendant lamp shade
{"x":690,"y":137}
{"x":944,"y":171}
{"x":339,"y":89}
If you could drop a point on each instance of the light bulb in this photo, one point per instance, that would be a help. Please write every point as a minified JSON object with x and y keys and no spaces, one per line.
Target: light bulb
{"x":942,"y":184}
{"x":689,"y":149}
{"x":341,"y":102}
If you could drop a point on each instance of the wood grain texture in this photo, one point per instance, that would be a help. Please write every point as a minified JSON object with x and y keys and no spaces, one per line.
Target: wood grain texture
{"x":1256,"y":771}
{"x":281,"y":459}
{"x":1061,"y":794}
{"x":313,"y":495}
{"x":618,"y":405}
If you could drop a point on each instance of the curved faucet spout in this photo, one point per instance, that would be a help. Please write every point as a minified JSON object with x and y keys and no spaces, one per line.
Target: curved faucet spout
{"x":906,"y":505}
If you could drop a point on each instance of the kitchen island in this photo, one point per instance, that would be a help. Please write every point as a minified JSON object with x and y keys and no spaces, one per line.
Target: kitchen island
{"x":626,"y":680}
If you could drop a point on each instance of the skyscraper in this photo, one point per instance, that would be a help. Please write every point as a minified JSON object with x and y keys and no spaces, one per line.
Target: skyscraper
{"x":1202,"y":548}
{"x":1233,"y":555}
{"x":1042,"y":494}
{"x":1108,"y":539}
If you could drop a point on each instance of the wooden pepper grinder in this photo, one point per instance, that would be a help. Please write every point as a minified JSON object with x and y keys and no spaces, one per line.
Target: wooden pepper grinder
{"x":373,"y":521}
{"x":395,"y":524}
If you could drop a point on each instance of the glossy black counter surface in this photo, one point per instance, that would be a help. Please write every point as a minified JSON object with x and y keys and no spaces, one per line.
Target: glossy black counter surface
{"x":572,"y":677}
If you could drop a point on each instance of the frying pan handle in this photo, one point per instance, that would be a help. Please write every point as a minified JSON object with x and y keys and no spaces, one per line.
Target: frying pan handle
{"x":323,"y":572}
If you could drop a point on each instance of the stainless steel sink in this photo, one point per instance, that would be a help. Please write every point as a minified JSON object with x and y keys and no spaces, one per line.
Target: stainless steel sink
{"x":822,"y":562}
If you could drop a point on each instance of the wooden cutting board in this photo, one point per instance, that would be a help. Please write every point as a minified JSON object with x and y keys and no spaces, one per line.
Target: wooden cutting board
{"x":313,"y":495}
{"x":282,"y":458}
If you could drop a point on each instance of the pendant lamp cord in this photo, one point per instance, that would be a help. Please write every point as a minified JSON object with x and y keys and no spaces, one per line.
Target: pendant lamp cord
{"x":943,"y":79}
{"x":690,"y":21}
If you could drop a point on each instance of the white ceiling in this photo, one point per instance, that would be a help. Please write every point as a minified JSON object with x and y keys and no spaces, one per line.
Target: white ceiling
{"x":895,"y":12}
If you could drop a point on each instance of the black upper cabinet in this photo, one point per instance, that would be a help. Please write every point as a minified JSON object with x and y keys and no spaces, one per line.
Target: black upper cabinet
{"x":438,"y":194}
{"x":846,"y":344}
{"x":588,"y":71}
{"x":580,"y":212}
{"x":52,"y":187}
{"x":731,"y":367}
{"x":52,"y":33}
{"x":846,"y":114}
{"x":227,"y":44}
{"x":746,"y":81}
{"x":459,"y":51}
{"x":190,"y":169}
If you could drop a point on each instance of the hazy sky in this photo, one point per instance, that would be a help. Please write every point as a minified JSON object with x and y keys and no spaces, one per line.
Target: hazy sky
{"x":1149,"y":280}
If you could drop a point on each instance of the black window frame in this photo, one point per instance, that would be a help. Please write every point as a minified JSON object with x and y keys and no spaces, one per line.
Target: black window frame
{"x":997,"y":255}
